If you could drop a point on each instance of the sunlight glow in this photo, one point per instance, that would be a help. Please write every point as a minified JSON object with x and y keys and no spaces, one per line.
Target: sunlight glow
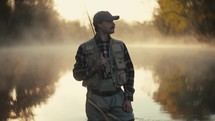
{"x":69,"y":98}
{"x":13,"y":94}
{"x":129,"y":10}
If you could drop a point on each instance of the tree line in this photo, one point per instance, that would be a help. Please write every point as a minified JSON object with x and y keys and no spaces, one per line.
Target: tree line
{"x":181,"y":17}
{"x":38,"y":21}
{"x":34,"y":21}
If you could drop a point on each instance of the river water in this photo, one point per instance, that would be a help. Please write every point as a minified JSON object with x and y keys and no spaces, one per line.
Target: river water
{"x":171,"y":83}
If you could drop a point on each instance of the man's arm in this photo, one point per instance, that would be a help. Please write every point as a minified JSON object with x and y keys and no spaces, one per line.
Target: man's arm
{"x":80,"y":69}
{"x":129,"y":86}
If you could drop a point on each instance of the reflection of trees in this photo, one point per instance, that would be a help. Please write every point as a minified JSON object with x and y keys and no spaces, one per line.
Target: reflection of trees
{"x":186,"y":85}
{"x":27,"y":79}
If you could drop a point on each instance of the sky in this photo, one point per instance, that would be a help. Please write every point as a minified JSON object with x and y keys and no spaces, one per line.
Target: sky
{"x":128,"y":10}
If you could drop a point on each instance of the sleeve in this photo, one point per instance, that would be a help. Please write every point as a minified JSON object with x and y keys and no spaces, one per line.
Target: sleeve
{"x":129,"y":85}
{"x":81,"y":70}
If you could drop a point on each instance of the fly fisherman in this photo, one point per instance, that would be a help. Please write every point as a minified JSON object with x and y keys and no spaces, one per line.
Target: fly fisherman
{"x":104,"y":66}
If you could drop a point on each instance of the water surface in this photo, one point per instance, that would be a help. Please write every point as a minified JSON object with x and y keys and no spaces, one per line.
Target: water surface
{"x":172,"y":84}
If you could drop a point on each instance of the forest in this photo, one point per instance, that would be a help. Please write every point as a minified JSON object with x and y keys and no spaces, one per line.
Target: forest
{"x":36,"y":21}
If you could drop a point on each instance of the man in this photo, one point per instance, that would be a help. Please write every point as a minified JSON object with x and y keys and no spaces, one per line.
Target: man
{"x":104,"y":65}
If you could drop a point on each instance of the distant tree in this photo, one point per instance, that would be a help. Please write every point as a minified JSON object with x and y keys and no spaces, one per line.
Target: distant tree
{"x":172,"y":17}
{"x":186,"y":17}
{"x":32,"y":19}
{"x":36,"y":19}
{"x":5,"y":15}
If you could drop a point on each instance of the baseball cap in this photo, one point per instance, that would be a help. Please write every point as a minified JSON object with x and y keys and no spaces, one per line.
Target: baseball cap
{"x":104,"y":16}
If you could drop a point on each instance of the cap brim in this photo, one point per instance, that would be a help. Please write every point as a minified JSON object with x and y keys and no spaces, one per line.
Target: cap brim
{"x":115,"y":17}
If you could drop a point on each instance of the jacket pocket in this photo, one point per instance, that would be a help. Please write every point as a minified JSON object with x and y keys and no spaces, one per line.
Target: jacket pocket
{"x":120,"y":70}
{"x":119,"y":62}
{"x":120,"y":78}
{"x":92,"y":82}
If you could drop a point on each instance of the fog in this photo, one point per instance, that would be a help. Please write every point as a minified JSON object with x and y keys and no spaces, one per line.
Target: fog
{"x":37,"y":49}
{"x":32,"y":64}
{"x":182,"y":67}
{"x":33,"y":73}
{"x":185,"y":76}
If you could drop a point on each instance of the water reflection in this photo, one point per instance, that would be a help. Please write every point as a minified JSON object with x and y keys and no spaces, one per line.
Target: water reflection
{"x":186,"y":84}
{"x":172,"y":84}
{"x":27,"y":79}
{"x":68,"y":103}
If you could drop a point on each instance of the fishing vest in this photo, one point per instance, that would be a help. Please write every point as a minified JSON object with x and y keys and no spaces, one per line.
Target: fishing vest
{"x":116,"y":63}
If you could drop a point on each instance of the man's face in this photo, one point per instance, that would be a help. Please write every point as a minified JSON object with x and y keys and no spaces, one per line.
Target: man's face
{"x":107,"y":27}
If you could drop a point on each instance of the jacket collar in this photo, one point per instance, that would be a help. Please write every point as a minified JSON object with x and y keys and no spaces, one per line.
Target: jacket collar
{"x":98,"y":39}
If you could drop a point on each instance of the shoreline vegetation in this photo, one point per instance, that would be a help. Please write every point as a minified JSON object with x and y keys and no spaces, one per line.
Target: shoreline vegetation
{"x":36,"y":21}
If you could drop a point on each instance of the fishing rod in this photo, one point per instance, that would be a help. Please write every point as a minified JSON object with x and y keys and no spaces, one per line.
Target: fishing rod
{"x":91,"y":25}
{"x":105,"y":115}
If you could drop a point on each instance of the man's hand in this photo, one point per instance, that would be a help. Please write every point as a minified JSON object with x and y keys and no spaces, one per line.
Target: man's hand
{"x":127,"y":106}
{"x":100,"y":63}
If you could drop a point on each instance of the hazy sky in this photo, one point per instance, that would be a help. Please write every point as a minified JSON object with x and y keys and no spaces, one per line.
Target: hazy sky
{"x":129,"y":10}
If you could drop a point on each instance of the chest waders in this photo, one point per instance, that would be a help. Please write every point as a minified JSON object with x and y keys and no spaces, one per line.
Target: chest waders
{"x":104,"y":114}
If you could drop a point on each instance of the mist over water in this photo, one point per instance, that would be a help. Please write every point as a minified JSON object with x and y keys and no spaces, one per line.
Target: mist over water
{"x":33,"y":73}
{"x":174,"y":74}
{"x":29,"y":76}
{"x":185,"y":77}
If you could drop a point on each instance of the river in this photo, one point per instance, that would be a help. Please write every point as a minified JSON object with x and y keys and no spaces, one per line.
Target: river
{"x":172,"y":83}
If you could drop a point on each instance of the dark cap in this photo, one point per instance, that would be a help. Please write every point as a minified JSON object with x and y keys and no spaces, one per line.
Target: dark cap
{"x":103,"y":16}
